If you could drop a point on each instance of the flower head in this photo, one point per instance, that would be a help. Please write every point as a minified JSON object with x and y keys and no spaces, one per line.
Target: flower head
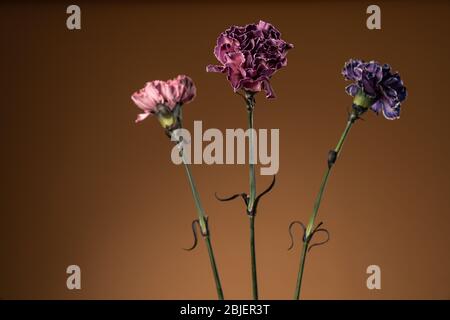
{"x":163,"y":98}
{"x":250,"y":55}
{"x":375,"y":86}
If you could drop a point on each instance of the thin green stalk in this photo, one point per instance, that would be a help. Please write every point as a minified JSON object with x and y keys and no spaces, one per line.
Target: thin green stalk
{"x":310,"y":227}
{"x":250,"y":206}
{"x":300,"y":275}
{"x":214,"y":268}
{"x":252,"y":176}
{"x":204,"y":228}
{"x":253,"y":257}
{"x":317,"y":202}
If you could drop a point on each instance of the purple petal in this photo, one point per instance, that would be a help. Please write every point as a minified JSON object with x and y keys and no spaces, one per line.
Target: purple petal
{"x":378,"y":82}
{"x":224,"y":45}
{"x":250,"y":55}
{"x":270,"y":94}
{"x":353,"y":70}
{"x":234,"y":63}
{"x":377,"y":106}
{"x":352,"y":89}
{"x":391,"y":112}
{"x":214,"y":68}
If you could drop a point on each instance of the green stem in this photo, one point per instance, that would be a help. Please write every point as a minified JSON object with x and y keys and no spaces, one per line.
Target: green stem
{"x":252,"y":176}
{"x":318,"y":201}
{"x":344,"y":135}
{"x":214,"y":268}
{"x":204,"y":228}
{"x":300,"y":275}
{"x":310,"y":227}
{"x":252,"y":180}
{"x":253,"y":257}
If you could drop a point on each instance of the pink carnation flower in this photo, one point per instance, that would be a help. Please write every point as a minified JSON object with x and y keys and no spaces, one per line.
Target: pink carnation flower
{"x":169,"y":94}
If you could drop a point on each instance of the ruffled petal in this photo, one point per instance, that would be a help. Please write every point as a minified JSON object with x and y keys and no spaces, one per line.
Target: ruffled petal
{"x":391,"y":112}
{"x":250,"y":85}
{"x":378,"y":82}
{"x":250,"y":55}
{"x":142,"y":116}
{"x":377,"y":106}
{"x":215,"y":68}
{"x":234,"y":63}
{"x":353,"y":70}
{"x":187,"y":88}
{"x":147,"y":98}
{"x":352,"y":89}
{"x":225,"y":45}
{"x":169,"y":94}
{"x":270,"y":94}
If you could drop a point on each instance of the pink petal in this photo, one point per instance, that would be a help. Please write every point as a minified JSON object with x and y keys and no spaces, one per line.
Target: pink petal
{"x":234,"y":63}
{"x":214,"y":68}
{"x":141,"y":117}
{"x":224,"y":46}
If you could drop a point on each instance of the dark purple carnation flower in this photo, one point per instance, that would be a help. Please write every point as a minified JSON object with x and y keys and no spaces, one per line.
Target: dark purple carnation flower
{"x":383,"y":89}
{"x":250,"y":55}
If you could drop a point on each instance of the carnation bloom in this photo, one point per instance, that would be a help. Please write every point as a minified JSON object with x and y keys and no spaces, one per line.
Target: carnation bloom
{"x":250,"y":55}
{"x":375,"y":86}
{"x":163,"y":97}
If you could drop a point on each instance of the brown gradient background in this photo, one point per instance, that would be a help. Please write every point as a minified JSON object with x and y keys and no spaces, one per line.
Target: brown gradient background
{"x":82,"y":184}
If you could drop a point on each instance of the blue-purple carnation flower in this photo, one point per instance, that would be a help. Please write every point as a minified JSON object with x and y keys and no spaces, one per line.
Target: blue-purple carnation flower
{"x":250,"y":55}
{"x":384,"y":88}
